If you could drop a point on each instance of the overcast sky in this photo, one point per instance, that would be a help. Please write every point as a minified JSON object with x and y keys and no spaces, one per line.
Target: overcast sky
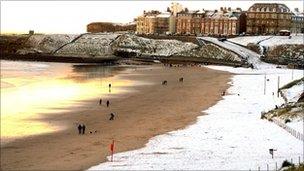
{"x":73,"y":16}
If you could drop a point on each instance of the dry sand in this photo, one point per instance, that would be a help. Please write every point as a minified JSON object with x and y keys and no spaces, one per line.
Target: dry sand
{"x":149,"y":111}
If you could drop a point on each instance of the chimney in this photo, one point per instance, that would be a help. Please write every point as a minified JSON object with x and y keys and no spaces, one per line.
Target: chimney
{"x":222,"y":8}
{"x":229,"y":8}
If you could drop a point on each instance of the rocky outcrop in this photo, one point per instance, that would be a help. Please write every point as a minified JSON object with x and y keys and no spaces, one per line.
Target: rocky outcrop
{"x":286,"y":54}
{"x":106,"y":45}
{"x":89,"y":45}
{"x":212,"y":52}
{"x":139,"y":46}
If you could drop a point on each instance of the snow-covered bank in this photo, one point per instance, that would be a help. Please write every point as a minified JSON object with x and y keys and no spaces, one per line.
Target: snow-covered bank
{"x":293,"y":93}
{"x":232,"y":136}
{"x":276,"y":49}
{"x":246,"y":54}
{"x":268,"y":41}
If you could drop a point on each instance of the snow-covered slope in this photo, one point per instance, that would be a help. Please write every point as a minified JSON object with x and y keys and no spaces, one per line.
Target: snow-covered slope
{"x":293,"y":93}
{"x":245,"y":40}
{"x":268,"y":41}
{"x":283,"y":40}
{"x":150,"y":47}
{"x":90,"y":45}
{"x":246,"y":54}
{"x":47,"y":43}
{"x":213,"y":52}
{"x":231,"y":137}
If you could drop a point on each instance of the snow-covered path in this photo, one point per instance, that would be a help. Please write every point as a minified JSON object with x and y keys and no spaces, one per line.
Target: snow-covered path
{"x":250,"y":56}
{"x":231,"y":137}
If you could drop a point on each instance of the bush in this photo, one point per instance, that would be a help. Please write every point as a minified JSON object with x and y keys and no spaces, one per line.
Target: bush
{"x":287,"y":164}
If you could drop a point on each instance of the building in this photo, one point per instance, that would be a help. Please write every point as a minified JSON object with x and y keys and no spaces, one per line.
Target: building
{"x":268,"y":18}
{"x":297,"y":22}
{"x":225,"y":22}
{"x":189,"y":22}
{"x":174,"y":9}
{"x":97,"y":27}
{"x":153,"y":22}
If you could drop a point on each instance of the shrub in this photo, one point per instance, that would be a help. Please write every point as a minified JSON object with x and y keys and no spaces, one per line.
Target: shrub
{"x":287,"y":164}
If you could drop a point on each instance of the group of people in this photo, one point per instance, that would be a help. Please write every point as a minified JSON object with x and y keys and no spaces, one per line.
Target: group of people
{"x":107,"y":103}
{"x":112,"y":115}
{"x":81,"y":129}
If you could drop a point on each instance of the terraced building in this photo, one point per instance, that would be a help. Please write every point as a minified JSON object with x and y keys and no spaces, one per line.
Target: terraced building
{"x":268,"y":18}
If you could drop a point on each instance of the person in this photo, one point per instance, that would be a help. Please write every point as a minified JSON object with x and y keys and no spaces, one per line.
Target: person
{"x":83,"y":129}
{"x":108,"y":103}
{"x":112,"y":116}
{"x":79,"y":128}
{"x":100,"y":101}
{"x":110,"y":85}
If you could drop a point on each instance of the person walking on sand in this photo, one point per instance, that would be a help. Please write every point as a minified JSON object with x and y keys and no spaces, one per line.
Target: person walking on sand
{"x":111,"y":116}
{"x":83,"y":129}
{"x":100,"y":101}
{"x":79,"y":128}
{"x":108,"y":103}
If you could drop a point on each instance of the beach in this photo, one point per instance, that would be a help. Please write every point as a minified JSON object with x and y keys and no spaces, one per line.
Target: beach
{"x":146,"y":111}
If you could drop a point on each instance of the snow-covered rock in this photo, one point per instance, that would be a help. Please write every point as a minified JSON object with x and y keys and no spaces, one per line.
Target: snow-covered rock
{"x":47,"y":43}
{"x":151,"y":47}
{"x":213,"y":52}
{"x":89,"y":45}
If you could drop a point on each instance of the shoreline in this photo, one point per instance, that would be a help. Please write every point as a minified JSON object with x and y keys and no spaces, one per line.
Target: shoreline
{"x":148,"y":111}
{"x":54,"y":58}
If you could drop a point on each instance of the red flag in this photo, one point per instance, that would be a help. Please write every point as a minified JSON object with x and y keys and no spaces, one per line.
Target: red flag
{"x":112,"y":150}
{"x":112,"y":146}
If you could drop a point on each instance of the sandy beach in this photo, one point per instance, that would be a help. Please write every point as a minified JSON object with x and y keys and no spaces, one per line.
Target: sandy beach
{"x":141,"y":114}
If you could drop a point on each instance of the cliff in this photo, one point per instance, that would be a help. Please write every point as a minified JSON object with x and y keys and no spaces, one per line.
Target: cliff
{"x":109,"y":45}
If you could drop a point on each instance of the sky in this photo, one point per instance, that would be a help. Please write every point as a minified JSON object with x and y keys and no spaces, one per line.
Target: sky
{"x":73,"y":16}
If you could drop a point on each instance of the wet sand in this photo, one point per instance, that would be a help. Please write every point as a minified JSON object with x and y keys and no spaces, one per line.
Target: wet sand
{"x":148,"y":111}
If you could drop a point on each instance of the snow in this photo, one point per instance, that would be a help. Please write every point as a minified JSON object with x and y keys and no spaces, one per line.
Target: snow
{"x":152,"y":47}
{"x":296,"y":125}
{"x":97,"y":44}
{"x":245,"y":40}
{"x":164,"y":15}
{"x":269,"y":41}
{"x":281,"y":40}
{"x":293,"y":94}
{"x":248,"y":55}
{"x":48,"y":43}
{"x":231,"y":137}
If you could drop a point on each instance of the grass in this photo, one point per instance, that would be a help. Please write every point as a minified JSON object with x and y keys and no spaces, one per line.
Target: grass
{"x":296,"y":168}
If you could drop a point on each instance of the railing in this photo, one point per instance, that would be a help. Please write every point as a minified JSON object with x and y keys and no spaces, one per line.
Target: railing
{"x":292,"y":131}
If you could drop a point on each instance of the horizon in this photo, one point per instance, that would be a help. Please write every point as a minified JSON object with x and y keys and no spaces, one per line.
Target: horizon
{"x":69,"y":16}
